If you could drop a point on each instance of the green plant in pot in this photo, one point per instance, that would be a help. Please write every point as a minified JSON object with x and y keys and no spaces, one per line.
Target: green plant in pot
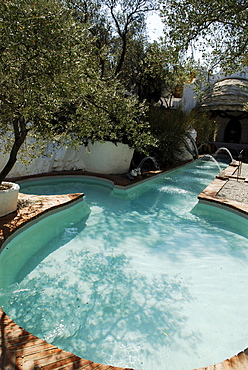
{"x":120,"y":125}
{"x":111,"y":124}
{"x":109,"y":114}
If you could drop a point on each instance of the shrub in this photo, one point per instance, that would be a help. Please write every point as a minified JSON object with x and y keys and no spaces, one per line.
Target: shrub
{"x":169,"y":127}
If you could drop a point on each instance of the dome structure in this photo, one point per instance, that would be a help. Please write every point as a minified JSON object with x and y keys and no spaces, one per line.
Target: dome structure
{"x":230,"y":94}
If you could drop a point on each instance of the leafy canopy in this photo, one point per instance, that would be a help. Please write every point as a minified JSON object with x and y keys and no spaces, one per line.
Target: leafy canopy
{"x":116,"y":25}
{"x":51,"y":85}
{"x":161,"y":72}
{"x":218,"y":28}
{"x":45,"y":58}
{"x":119,"y":28}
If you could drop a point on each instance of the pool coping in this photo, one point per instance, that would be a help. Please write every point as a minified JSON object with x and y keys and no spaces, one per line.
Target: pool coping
{"x":210,"y":194}
{"x":36,"y":206}
{"x":20,"y":349}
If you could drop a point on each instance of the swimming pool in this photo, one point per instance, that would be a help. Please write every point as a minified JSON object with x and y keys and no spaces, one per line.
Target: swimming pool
{"x":143,"y":278}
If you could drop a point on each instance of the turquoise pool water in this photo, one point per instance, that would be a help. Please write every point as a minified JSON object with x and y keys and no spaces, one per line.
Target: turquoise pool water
{"x":143,"y":278}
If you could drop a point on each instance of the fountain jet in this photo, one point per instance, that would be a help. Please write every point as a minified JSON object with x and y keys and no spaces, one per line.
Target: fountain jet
{"x":225,"y":150}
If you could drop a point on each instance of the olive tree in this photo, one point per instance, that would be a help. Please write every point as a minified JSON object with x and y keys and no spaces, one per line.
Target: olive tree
{"x":116,"y":25}
{"x":129,"y":18}
{"x":218,"y":28}
{"x":44,"y":59}
{"x":161,"y":73}
{"x":51,"y":85}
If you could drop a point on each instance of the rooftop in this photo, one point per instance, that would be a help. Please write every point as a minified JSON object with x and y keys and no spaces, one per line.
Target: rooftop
{"x":227,"y":94}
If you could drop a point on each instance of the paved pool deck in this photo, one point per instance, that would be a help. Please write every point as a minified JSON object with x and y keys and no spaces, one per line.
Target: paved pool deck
{"x":20,"y":350}
{"x":229,"y":189}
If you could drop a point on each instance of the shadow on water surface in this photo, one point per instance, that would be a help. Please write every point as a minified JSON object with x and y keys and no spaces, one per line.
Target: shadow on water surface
{"x":105,"y":307}
{"x":69,"y":233}
{"x":28,"y":248}
{"x":110,"y":287}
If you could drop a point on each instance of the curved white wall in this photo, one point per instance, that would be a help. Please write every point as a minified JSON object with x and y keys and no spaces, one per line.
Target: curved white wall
{"x":107,"y":157}
{"x":104,"y":158}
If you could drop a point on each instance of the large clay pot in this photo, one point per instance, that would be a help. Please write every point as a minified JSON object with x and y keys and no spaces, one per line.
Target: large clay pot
{"x":8,"y":198}
{"x":107,"y":157}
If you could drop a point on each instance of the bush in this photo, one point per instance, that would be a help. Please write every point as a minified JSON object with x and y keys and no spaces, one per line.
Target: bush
{"x":204,"y":125}
{"x":169,"y":127}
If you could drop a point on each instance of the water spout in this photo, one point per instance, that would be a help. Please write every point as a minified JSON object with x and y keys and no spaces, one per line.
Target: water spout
{"x":209,"y":156}
{"x":152,"y":159}
{"x":223,"y":149}
{"x":137,"y":171}
{"x":190,"y":144}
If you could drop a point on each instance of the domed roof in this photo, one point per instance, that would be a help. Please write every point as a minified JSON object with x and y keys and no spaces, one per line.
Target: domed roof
{"x":228,"y":94}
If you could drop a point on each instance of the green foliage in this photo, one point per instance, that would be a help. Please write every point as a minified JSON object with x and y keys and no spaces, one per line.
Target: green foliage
{"x":131,"y":65}
{"x":51,"y":85}
{"x":114,"y":116}
{"x":43,"y":54}
{"x":153,"y":73}
{"x":218,"y":28}
{"x":147,"y":69}
{"x":161,"y":72}
{"x":115,"y":24}
{"x":169,"y":128}
{"x":128,"y":17}
{"x":205,"y":126}
{"x":45,"y":59}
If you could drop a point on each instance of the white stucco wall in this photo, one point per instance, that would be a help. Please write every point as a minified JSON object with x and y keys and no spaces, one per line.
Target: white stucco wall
{"x":188,"y":101}
{"x":105,"y":158}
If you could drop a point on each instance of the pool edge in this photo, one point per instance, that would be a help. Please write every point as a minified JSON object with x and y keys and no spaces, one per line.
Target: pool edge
{"x":15,"y":349}
{"x":210,"y":194}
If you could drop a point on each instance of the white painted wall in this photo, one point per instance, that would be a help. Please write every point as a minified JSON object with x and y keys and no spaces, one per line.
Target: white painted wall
{"x":105,"y":158}
{"x":188,"y":101}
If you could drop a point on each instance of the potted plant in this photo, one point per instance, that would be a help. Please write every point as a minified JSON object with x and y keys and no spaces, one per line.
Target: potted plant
{"x":8,"y":197}
{"x":119,"y":126}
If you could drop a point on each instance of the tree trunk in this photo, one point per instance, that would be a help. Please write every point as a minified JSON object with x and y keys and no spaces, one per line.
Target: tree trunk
{"x":20,"y":136}
{"x":123,"y":54}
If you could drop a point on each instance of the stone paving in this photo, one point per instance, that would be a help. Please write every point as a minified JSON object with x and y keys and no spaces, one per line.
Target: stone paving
{"x":237,"y":184}
{"x":20,"y":350}
{"x":229,"y":189}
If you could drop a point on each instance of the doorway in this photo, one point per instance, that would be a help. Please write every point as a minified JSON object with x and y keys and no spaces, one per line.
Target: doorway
{"x":233,"y":131}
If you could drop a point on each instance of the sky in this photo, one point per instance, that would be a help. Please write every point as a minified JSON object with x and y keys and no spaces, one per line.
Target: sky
{"x":155,"y":26}
{"x":155,"y":30}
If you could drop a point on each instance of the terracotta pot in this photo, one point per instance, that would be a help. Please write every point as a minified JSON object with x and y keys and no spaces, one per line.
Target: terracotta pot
{"x":8,"y":198}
